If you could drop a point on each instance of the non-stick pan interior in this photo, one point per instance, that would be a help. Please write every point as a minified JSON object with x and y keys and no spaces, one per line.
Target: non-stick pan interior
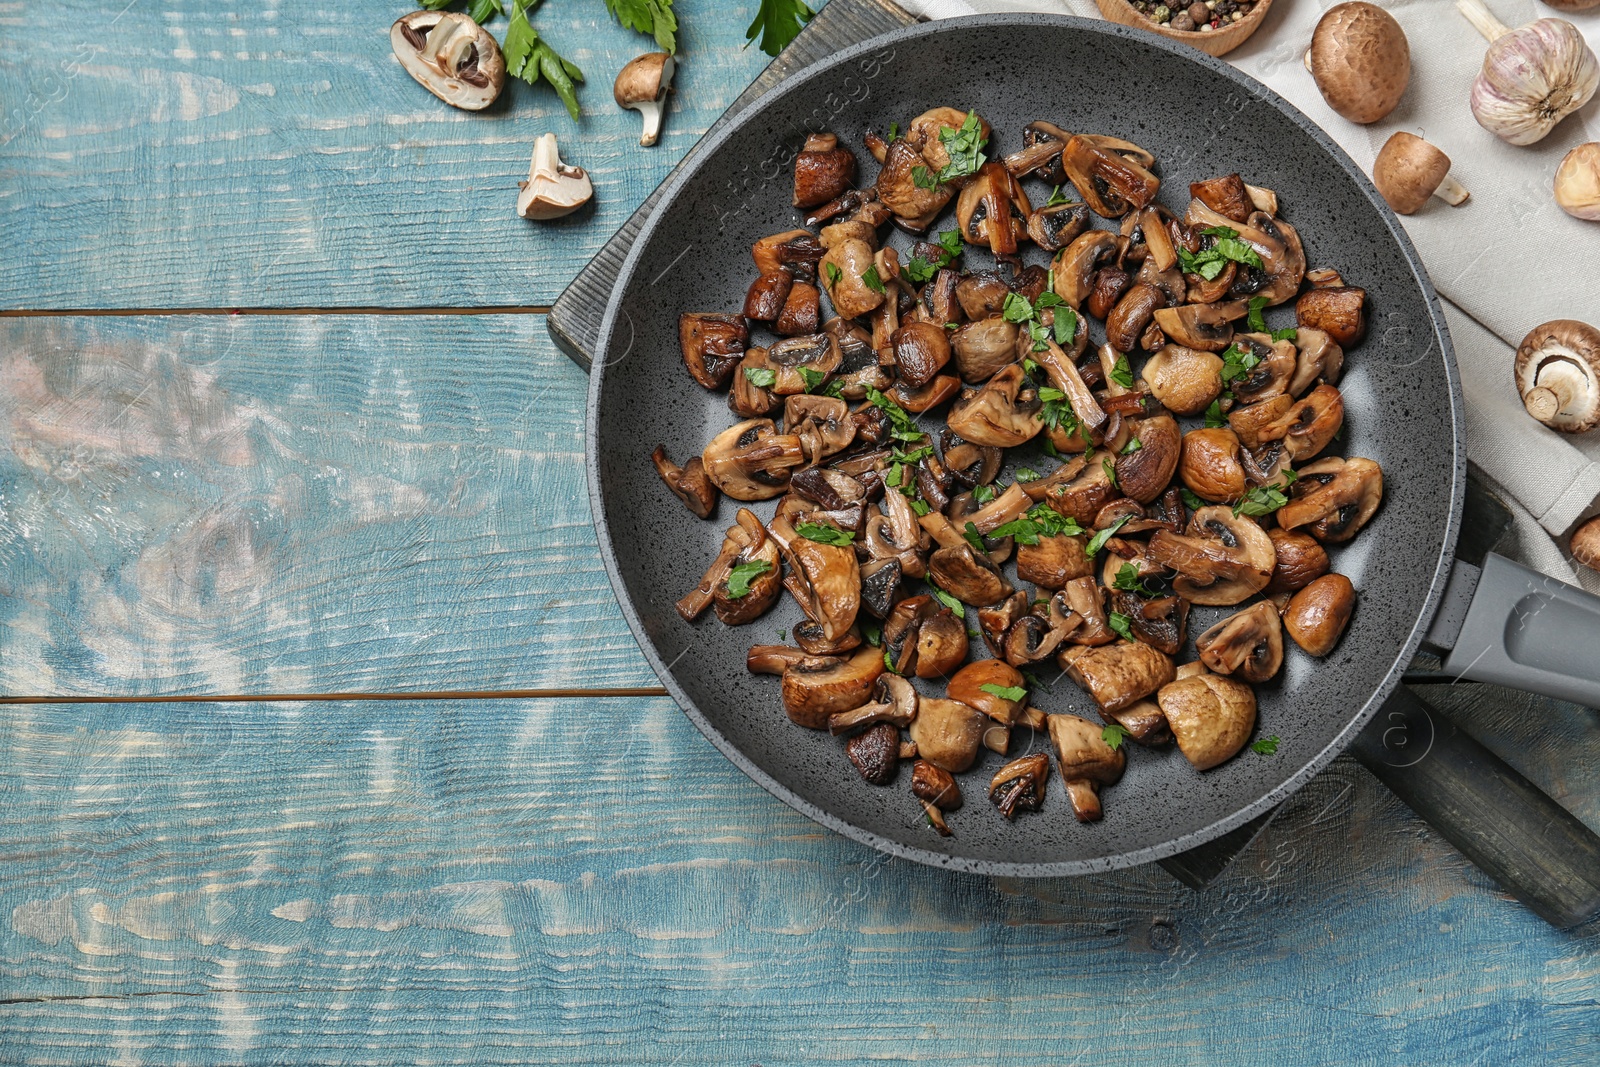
{"x":1201,"y":119}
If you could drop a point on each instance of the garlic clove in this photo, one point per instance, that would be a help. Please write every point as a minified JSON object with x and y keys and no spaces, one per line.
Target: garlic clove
{"x":1577,"y":183}
{"x":1532,"y":77}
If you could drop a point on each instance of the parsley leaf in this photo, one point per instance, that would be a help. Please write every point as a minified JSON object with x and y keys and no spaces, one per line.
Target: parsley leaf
{"x":1262,"y":500}
{"x":529,"y":57}
{"x":1194,"y":502}
{"x":1288,"y":333}
{"x":740,"y":576}
{"x":920,"y":270}
{"x":1133,"y":445}
{"x":823,"y":534}
{"x":832,"y":272}
{"x":1267,"y":746}
{"x":1237,"y":361}
{"x":481,"y":11}
{"x":1257,"y":323}
{"x":777,"y":22}
{"x":888,"y":664}
{"x":651,"y":17}
{"x":1056,"y":198}
{"x":1121,"y":625}
{"x":1016,"y":308}
{"x":923,"y":178}
{"x":761,"y":377}
{"x":870,"y":279}
{"x":1066,"y":326}
{"x":1121,"y":373}
{"x":1098,"y":541}
{"x":873,"y":634}
{"x":1128,"y":580}
{"x":965,"y":146}
{"x":1040,"y":521}
{"x":974,"y":538}
{"x":1027,"y":474}
{"x":1209,"y":262}
{"x":1114,"y":734}
{"x":812,"y":378}
{"x":982,"y":494}
{"x":1004,"y":692}
{"x":949,"y":601}
{"x":1111,"y":470}
{"x":904,"y":427}
{"x":1055,"y":410}
{"x":1214,"y":416}
{"x":950,"y":241}
{"x":894,"y":131}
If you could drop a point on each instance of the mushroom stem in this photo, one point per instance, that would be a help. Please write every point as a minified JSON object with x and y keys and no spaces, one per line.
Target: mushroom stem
{"x":1452,"y":192}
{"x":1482,"y":19}
{"x":1556,"y":391}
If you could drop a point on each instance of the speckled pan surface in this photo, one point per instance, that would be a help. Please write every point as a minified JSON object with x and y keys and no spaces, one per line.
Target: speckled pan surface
{"x":1201,"y":118}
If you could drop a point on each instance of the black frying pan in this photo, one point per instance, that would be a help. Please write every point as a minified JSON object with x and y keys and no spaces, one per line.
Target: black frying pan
{"x":1200,"y":117}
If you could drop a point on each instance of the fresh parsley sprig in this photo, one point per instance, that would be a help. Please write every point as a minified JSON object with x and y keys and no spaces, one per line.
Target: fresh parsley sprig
{"x":653,"y":18}
{"x":823,"y":534}
{"x":965,"y":147}
{"x":1114,"y":734}
{"x":777,"y":22}
{"x":742,"y":574}
{"x":1265,"y":499}
{"x":530,"y":57}
{"x":920,"y":270}
{"x":1210,"y":262}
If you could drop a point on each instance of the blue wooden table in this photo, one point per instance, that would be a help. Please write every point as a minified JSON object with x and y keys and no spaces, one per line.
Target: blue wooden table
{"x":323,"y":739}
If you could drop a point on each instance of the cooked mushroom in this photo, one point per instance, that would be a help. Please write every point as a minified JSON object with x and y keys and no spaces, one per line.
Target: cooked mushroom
{"x":990,"y":686}
{"x":1360,"y":60}
{"x":969,"y":577}
{"x":688,"y":483}
{"x":875,"y":753}
{"x":1055,"y":226}
{"x":843,"y":269}
{"x":1075,"y":266}
{"x":772,"y":659}
{"x":923,"y":637}
{"x":993,"y":210}
{"x":1248,"y":644}
{"x":1269,"y":374}
{"x":1002,"y":413}
{"x":818,"y":687}
{"x":1127,"y":322}
{"x":1087,"y":762}
{"x":983,"y":348}
{"x":452,"y":57}
{"x":828,"y":577}
{"x":894,"y":701}
{"x":642,"y":86}
{"x":761,"y":582}
{"x":1184,"y":380}
{"x":1247,"y":423}
{"x":1558,"y":375}
{"x":712,"y":346}
{"x":1156,"y":617}
{"x":947,"y":733}
{"x":1339,"y":311}
{"x":1144,"y":472}
{"x":1116,"y":675}
{"x":921,"y":350}
{"x":823,"y":170}
{"x":553,"y":188}
{"x":1020,"y":784}
{"x":1051,"y":562}
{"x":1223,"y":559}
{"x":1144,"y":722}
{"x":1210,"y":464}
{"x":1085,"y":600}
{"x":1226,"y":195}
{"x":1203,"y":327}
{"x":793,"y":358}
{"x":751,"y":460}
{"x":764,"y":300}
{"x":1334,"y":498}
{"x":1211,"y":716}
{"x":1318,"y":359}
{"x":1301,"y":560}
{"x":1082,"y":498}
{"x":1308,"y":425}
{"x":1317,"y":615}
{"x":822,"y":423}
{"x":899,"y":190}
{"x":1409,"y":170}
{"x":933,"y":785}
{"x":1109,"y":182}
{"x":1040,"y":156}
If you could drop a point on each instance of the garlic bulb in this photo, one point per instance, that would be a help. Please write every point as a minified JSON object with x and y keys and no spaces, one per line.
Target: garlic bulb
{"x":1578,"y":182}
{"x":1532,"y":78}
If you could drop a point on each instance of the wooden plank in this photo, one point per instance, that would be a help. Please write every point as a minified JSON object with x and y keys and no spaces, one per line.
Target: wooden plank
{"x":564,"y":881}
{"x":205,"y":155}
{"x":276,"y":504}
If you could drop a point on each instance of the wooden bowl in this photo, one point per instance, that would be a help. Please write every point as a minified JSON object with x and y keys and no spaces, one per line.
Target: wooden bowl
{"x":1216,"y":43}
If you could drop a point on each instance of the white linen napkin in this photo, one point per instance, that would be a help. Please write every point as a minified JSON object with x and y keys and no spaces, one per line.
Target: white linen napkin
{"x":1505,"y":261}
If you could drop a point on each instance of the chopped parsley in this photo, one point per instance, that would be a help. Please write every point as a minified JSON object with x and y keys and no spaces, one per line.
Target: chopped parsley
{"x":870,"y":279}
{"x":1265,"y":499}
{"x":1040,"y":521}
{"x":823,"y":534}
{"x":923,"y":178}
{"x":1056,"y":198}
{"x":965,"y":147}
{"x":1004,"y":692}
{"x":740,"y":576}
{"x":1133,"y":445}
{"x":873,"y":634}
{"x":974,"y":538}
{"x":1110,"y":468}
{"x":1129,"y":581}
{"x":920,"y":270}
{"x":1056,"y":412}
{"x":812,"y":378}
{"x":1098,"y":541}
{"x":1027,"y":474}
{"x":762,"y":377}
{"x":1016,"y":308}
{"x":894,"y":131}
{"x":1214,"y":416}
{"x":888,"y":664}
{"x":1121,"y":625}
{"x":949,"y":601}
{"x":1267,"y":746}
{"x":1226,"y":246}
{"x":1288,"y":333}
{"x":1121,"y":373}
{"x":1114,"y":734}
{"x":903,"y":427}
{"x":1194,"y":502}
{"x":832,"y":272}
{"x":982,"y":494}
{"x":1237,"y":361}
{"x":1066,"y":325}
{"x":1257,"y":323}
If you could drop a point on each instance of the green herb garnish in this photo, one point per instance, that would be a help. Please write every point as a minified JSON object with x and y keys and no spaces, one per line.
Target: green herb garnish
{"x":1267,"y":746}
{"x":1214,"y":416}
{"x":1114,"y":734}
{"x":1121,"y":625}
{"x":1133,"y":445}
{"x":832,"y":272}
{"x":740,"y":576}
{"x":762,"y":377}
{"x":1128,"y":580}
{"x":1098,"y":541}
{"x":1121,"y":373}
{"x":823,"y":534}
{"x":812,"y":378}
{"x":1004,"y":692}
{"x":530,"y":57}
{"x":777,"y":22}
{"x":965,"y":147}
{"x":870,"y":279}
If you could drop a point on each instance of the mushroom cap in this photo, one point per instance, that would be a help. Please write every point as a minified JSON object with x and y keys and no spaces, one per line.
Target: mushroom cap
{"x":643,"y":79}
{"x":451,"y":56}
{"x":1185,"y":381}
{"x":1585,"y":544}
{"x":1361,"y":61}
{"x":1210,"y":715}
{"x":1221,"y":560}
{"x":820,"y":686}
{"x":967,"y":686}
{"x":1116,"y":675}
{"x":1577,"y":182}
{"x":1408,"y":170}
{"x":1248,"y":643}
{"x":1558,"y":374}
{"x":1082,"y":751}
{"x":1317,"y":615}
{"x":947,"y":733}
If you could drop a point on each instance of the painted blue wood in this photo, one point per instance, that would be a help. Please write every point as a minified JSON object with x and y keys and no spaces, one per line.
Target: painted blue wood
{"x":588,"y":881}
{"x":195,"y":154}
{"x":281,"y":504}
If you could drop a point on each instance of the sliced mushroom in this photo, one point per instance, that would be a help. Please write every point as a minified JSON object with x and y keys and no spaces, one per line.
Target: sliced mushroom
{"x":772,"y":659}
{"x":969,"y":577}
{"x":1087,"y":762}
{"x":1184,"y":380}
{"x":1020,"y":785}
{"x":1055,"y":226}
{"x":994,"y":621}
{"x":968,"y":686}
{"x":921,"y":350}
{"x":1223,"y":559}
{"x":1040,"y":156}
{"x":923,"y":637}
{"x":933,"y":785}
{"x":1309,"y":425}
{"x":1282,"y":257}
{"x":1064,"y":375}
{"x":1269,"y":376}
{"x":1144,"y":722}
{"x":1118,"y":674}
{"x":823,"y":170}
{"x":1158,"y":621}
{"x":816,"y":353}
{"x":1334,"y":498}
{"x":983,"y":348}
{"x":688,"y":482}
{"x":747,"y":399}
{"x":880,"y":586}
{"x":765,"y":298}
{"x":712,"y":346}
{"x":947,"y":733}
{"x":801,"y":311}
{"x":1075,"y":266}
{"x":1202,"y":327}
{"x":451,"y":56}
{"x":894,"y":701}
{"x":819,"y":687}
{"x":1338,"y":311}
{"x":941,"y":390}
{"x":1144,"y":473}
{"x":1247,"y":644}
{"x":896,"y":533}
{"x":875,"y":753}
{"x":1318,"y":614}
{"x":1211,"y":717}
{"x":553,"y":188}
{"x":822,"y":423}
{"x":1127,"y":322}
{"x":642,"y":86}
{"x":843,"y":269}
{"x":751,"y":460}
{"x":1109,"y":182}
{"x":1052,"y":562}
{"x":1003,"y":413}
{"x":814,"y":641}
{"x":1318,"y":359}
{"x":1082,"y":498}
{"x":828,"y":576}
{"x":747,"y":531}
{"x":993,"y":210}
{"x":1301,"y":560}
{"x":1226,"y":195}
{"x":899,"y":191}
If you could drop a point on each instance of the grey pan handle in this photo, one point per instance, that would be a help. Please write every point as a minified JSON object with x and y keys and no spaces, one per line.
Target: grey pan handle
{"x":1513,"y":626}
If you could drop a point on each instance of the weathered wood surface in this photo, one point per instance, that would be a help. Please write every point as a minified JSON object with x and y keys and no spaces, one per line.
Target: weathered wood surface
{"x":197,"y":154}
{"x":282,"y":504}
{"x":588,"y":881}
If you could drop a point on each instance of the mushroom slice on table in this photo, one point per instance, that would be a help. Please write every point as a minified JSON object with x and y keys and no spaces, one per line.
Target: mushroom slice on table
{"x":452,"y":57}
{"x":750,"y":460}
{"x":642,"y":86}
{"x":1211,"y":716}
{"x":1086,"y":761}
{"x":1223,"y":558}
{"x":1020,"y":785}
{"x":894,"y":701}
{"x":819,"y":687}
{"x":1334,"y":498}
{"x":1247,"y":644}
{"x":712,"y":345}
{"x":1118,"y":674}
{"x":1111,"y":183}
{"x":688,"y":483}
{"x":947,"y":733}
{"x":1558,"y":375}
{"x":553,"y":188}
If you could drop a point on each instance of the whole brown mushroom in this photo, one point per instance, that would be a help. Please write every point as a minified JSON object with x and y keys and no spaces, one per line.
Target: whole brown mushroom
{"x":1361,"y":61}
{"x":1558,"y":375}
{"x":1585,"y":544}
{"x":1409,"y":170}
{"x":642,"y":86}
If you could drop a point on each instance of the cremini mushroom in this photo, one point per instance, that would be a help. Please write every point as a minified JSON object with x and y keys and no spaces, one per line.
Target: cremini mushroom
{"x":894,"y":701}
{"x":1111,"y":183}
{"x":1211,"y":716}
{"x":452,"y":57}
{"x":1003,"y":413}
{"x":1055,"y":226}
{"x":875,"y":753}
{"x":740,"y":539}
{"x":947,"y":733}
{"x":1585,"y":544}
{"x":1226,"y":195}
{"x":1270,"y":372}
{"x":828,"y":578}
{"x":983,"y":348}
{"x":1557,"y":370}
{"x":1202,"y":327}
{"x":1409,"y":170}
{"x":1118,"y":674}
{"x":1308,"y":425}
{"x":898,"y":187}
{"x":1087,"y":762}
{"x":1210,"y":464}
{"x":688,"y":483}
{"x":1318,"y":358}
{"x":1183,"y":380}
{"x":553,"y":188}
{"x":1247,"y":644}
{"x":824,"y":169}
{"x":1020,"y":785}
{"x":1318,"y":614}
{"x":1145,"y":471}
{"x":1053,"y":561}
{"x":712,"y":346}
{"x":992,"y":687}
{"x":1334,"y":498}
{"x":993,"y":210}
{"x":1577,"y":182}
{"x":750,"y":460}
{"x":1360,"y":60}
{"x":934,"y":786}
{"x":1339,"y":311}
{"x":923,"y":637}
{"x":1222,"y":559}
{"x":1301,"y":560}
{"x":819,"y":687}
{"x":642,"y":85}
{"x":969,"y":577}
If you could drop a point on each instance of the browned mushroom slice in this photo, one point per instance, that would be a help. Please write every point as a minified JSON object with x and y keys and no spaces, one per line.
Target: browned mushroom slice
{"x":765,"y":298}
{"x":1109,"y":182}
{"x":895,"y":533}
{"x":967,"y":576}
{"x":747,"y":399}
{"x":754,"y":581}
{"x":1020,"y":785}
{"x":1183,"y":380}
{"x":992,"y":687}
{"x":1150,"y":239}
{"x":1317,"y":615}
{"x":688,"y":482}
{"x":981,"y":294}
{"x":921,"y":350}
{"x":994,"y":621}
{"x":772,"y":659}
{"x":1116,"y":675}
{"x":794,"y":251}
{"x":798,"y":360}
{"x":1110,"y":284}
{"x":822,"y":423}
{"x":900,"y":191}
{"x":894,"y":701}
{"x":1052,"y":562}
{"x":1319,"y":359}
{"x":923,"y":637}
{"x":1040,"y":154}
{"x":1075,"y":266}
{"x":1334,"y":498}
{"x":1309,"y":425}
{"x":1211,"y":716}
{"x":823,"y":169}
{"x":1223,"y":559}
{"x":947,"y":733}
{"x":801,"y":311}
{"x":933,"y":785}
{"x":751,"y":461}
{"x":1087,"y":762}
{"x":1083,"y":497}
{"x":1283,"y":260}
{"x":925,"y":133}
{"x":1225,"y":195}
{"x":1003,"y":413}
{"x":814,"y":641}
{"x":1144,"y":721}
{"x":1340,"y":312}
{"x":1055,"y":226}
{"x":1203,"y":327}
{"x":1144,"y":472}
{"x":1084,"y":598}
{"x":1065,"y":376}
{"x":694,"y":603}
{"x":1210,"y":465}
{"x":1272,"y":365}
{"x":940,"y":390}
{"x":880,"y":586}
{"x":993,"y":210}
{"x":843,"y":272}
{"x":828,"y":576}
{"x":1158,"y":621}
{"x":712,"y":346}
{"x":1247,"y":644}
{"x":939,"y":303}
{"x":875,"y":753}
{"x":1301,"y":561}
{"x":818,"y":687}
{"x":1247,"y":422}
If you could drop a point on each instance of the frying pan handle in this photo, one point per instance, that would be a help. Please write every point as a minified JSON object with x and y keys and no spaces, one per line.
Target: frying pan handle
{"x":1526,"y":630}
{"x":1531,"y":846}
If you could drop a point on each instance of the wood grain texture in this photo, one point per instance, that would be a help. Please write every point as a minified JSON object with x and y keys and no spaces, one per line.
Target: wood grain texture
{"x":577,"y":882}
{"x":251,"y":504}
{"x":211,"y":155}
